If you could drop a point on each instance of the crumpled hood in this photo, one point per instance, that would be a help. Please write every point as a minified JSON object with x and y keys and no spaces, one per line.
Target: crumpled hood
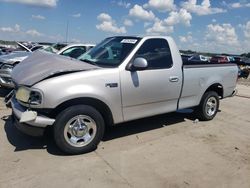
{"x":14,"y":57}
{"x":41,"y":65}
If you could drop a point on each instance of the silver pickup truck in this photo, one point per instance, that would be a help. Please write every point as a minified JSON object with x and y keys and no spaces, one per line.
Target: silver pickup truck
{"x":121,"y":79}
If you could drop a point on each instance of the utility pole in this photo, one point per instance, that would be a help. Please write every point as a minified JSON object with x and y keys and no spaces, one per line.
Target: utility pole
{"x":67,"y":30}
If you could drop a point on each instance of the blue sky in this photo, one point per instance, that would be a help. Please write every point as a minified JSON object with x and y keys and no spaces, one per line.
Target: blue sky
{"x":203,"y":25}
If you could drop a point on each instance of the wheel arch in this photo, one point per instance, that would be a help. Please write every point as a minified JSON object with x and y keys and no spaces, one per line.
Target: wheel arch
{"x":99,"y":105}
{"x":216,"y":87}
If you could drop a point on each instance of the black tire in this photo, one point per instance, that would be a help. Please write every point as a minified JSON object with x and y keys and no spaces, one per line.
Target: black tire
{"x":61,"y":125}
{"x":201,"y":112}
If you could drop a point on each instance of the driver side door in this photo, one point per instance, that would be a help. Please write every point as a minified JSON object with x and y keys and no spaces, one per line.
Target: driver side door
{"x":155,"y":90}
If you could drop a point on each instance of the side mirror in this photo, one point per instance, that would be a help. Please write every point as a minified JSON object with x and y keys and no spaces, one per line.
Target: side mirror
{"x":139,"y":63}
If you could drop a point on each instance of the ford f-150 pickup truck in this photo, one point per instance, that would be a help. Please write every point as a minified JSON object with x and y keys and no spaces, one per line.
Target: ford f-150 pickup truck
{"x":121,"y":79}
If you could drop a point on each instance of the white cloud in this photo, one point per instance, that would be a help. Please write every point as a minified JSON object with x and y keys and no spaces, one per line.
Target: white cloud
{"x":104,"y":17}
{"x":34,"y":33}
{"x":246,"y":29}
{"x":108,"y":24}
{"x":235,"y":5}
{"x":18,"y":33}
{"x":161,"y":5}
{"x":146,"y":24}
{"x":223,"y":34}
{"x":78,"y":15}
{"x":17,"y":28}
{"x":203,"y":9}
{"x":159,"y":27}
{"x":166,"y":26}
{"x":39,"y":3}
{"x":140,"y":13}
{"x":38,"y":17}
{"x":186,"y":39}
{"x":218,"y":38}
{"x":14,"y":29}
{"x":110,"y":27}
{"x":123,"y":4}
{"x":183,"y":16}
{"x":6,"y":29}
{"x":128,"y":22}
{"x":214,"y":20}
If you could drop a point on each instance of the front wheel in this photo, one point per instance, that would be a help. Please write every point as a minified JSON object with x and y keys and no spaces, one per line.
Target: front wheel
{"x":78,"y":129}
{"x":208,"y":106}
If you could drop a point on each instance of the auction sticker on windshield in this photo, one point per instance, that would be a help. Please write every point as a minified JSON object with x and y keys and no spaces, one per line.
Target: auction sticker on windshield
{"x":130,"y":41}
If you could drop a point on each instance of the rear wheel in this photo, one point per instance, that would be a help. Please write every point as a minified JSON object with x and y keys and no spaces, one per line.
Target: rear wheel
{"x":208,"y":106}
{"x":78,"y":129}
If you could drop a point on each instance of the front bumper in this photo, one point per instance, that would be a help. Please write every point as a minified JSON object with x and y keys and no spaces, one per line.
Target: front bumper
{"x":27,"y":129}
{"x":38,"y":124}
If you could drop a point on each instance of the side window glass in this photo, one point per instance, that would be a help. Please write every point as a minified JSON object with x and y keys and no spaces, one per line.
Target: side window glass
{"x":157,"y":53}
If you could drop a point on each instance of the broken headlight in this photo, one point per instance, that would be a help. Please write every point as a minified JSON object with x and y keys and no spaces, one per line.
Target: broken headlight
{"x":27,"y":95}
{"x":35,"y":98}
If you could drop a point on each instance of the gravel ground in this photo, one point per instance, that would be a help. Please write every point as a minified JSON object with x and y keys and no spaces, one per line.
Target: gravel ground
{"x":244,"y":81}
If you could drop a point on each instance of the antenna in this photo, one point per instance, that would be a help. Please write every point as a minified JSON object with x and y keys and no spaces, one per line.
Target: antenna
{"x":67,"y":30}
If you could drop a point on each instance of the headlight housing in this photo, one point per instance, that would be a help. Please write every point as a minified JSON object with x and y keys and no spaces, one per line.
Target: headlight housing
{"x":7,"y":67}
{"x":35,"y":98}
{"x":29,"y":96}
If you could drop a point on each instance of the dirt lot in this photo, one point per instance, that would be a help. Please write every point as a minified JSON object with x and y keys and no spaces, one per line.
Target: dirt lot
{"x":164,"y":151}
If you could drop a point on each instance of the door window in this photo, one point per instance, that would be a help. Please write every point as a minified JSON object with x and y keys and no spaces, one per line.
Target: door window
{"x":157,"y":53}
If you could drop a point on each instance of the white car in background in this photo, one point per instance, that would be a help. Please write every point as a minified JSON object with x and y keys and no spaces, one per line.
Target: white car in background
{"x":198,"y":58}
{"x":75,"y":50}
{"x":8,"y":63}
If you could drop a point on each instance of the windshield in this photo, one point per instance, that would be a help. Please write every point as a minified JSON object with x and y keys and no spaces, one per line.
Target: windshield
{"x":55,"y":48}
{"x":21,"y":47}
{"x":36,"y":48}
{"x":111,"y":51}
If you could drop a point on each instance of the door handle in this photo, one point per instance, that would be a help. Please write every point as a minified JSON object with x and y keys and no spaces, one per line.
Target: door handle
{"x":173,"y":79}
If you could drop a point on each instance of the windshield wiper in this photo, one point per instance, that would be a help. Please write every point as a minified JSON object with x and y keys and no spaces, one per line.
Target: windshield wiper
{"x":89,"y":61}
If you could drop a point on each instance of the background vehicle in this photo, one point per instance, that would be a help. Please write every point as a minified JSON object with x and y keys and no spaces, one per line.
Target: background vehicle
{"x":219,"y":59}
{"x":185,"y":57}
{"x":2,"y":52}
{"x":75,"y":50}
{"x":121,"y":79}
{"x":19,"y":54}
{"x":7,"y":63}
{"x":198,"y":58}
{"x":231,"y":59}
{"x":243,"y":72}
{"x":54,"y":48}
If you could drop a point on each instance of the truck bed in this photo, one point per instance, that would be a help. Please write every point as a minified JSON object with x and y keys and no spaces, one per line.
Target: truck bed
{"x":198,"y":77}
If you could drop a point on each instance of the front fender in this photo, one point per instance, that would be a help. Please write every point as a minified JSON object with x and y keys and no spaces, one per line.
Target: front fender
{"x":91,"y":84}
